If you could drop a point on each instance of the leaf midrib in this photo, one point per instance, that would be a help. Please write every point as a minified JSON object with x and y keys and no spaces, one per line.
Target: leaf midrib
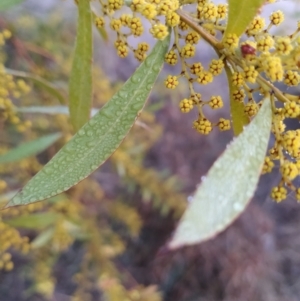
{"x":61,"y":175}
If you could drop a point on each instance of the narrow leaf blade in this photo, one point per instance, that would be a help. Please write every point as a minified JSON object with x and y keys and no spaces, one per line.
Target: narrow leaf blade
{"x":238,"y":116}
{"x":30,"y":148}
{"x":50,"y":110}
{"x":98,"y":138}
{"x":33,"y":221}
{"x":80,"y":84}
{"x":6,"y":4}
{"x":240,"y":14}
{"x":40,"y":82}
{"x":229,"y":185}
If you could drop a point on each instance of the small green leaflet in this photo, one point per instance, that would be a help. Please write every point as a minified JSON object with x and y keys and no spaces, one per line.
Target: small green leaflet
{"x":30,"y":148}
{"x":6,"y":4}
{"x":98,"y":138}
{"x":80,"y":84}
{"x":240,"y":14}
{"x":224,"y":194}
{"x":238,"y":116}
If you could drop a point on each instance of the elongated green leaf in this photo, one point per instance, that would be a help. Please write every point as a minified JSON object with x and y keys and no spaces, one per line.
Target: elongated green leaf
{"x":98,"y":138}
{"x":40,"y":82}
{"x":238,"y":116}
{"x":6,"y":4}
{"x":50,"y":110}
{"x":240,"y":14}
{"x":29,"y":148}
{"x":80,"y":84}
{"x":229,"y":185}
{"x":33,"y":221}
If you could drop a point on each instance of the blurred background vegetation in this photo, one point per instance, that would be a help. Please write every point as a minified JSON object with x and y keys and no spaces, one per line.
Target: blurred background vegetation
{"x":104,"y":239}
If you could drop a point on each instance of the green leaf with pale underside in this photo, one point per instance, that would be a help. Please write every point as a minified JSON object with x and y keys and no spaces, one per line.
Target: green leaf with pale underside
{"x":80,"y":83}
{"x":238,"y":116}
{"x":226,"y":190}
{"x":240,"y":14}
{"x":98,"y":138}
{"x":30,"y":148}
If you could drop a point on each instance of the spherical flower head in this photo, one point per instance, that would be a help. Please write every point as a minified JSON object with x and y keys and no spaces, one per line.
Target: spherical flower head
{"x":122,"y":51}
{"x":188,"y":51}
{"x":268,"y":165}
{"x":216,"y":102}
{"x":291,"y":143}
{"x":289,"y":170}
{"x":143,"y":46}
{"x":216,"y":67}
{"x":283,"y":45}
{"x":125,"y":19}
{"x":196,"y":68}
{"x":99,"y":22}
{"x":291,"y":78}
{"x":115,"y":24}
{"x":237,"y":79}
{"x":224,"y":124}
{"x":273,"y":67}
{"x":202,"y":125}
{"x":139,"y":55}
{"x":222,"y":11}
{"x":171,"y":57}
{"x":208,"y":11}
{"x":265,"y":43}
{"x":136,"y":26}
{"x":250,"y":74}
{"x":291,"y":109}
{"x":183,"y":26}
{"x":172,"y":19}
{"x":171,"y":82}
{"x":256,"y":26}
{"x":149,"y":11}
{"x":186,"y":105}
{"x":159,"y":31}
{"x":251,"y":109}
{"x":231,"y":42}
{"x":279,"y":193}
{"x":166,"y":6}
{"x":277,"y":17}
{"x":205,"y":77}
{"x":238,"y":95}
{"x":192,"y":38}
{"x":136,"y":5}
{"x":115,"y":4}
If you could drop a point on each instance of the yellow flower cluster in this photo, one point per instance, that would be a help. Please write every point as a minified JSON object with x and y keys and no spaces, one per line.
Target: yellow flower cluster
{"x":10,"y":239}
{"x":131,"y":24}
{"x":10,"y":89}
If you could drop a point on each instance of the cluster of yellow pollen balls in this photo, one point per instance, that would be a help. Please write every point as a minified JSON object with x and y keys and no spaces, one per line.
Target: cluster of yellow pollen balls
{"x":258,"y":62}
